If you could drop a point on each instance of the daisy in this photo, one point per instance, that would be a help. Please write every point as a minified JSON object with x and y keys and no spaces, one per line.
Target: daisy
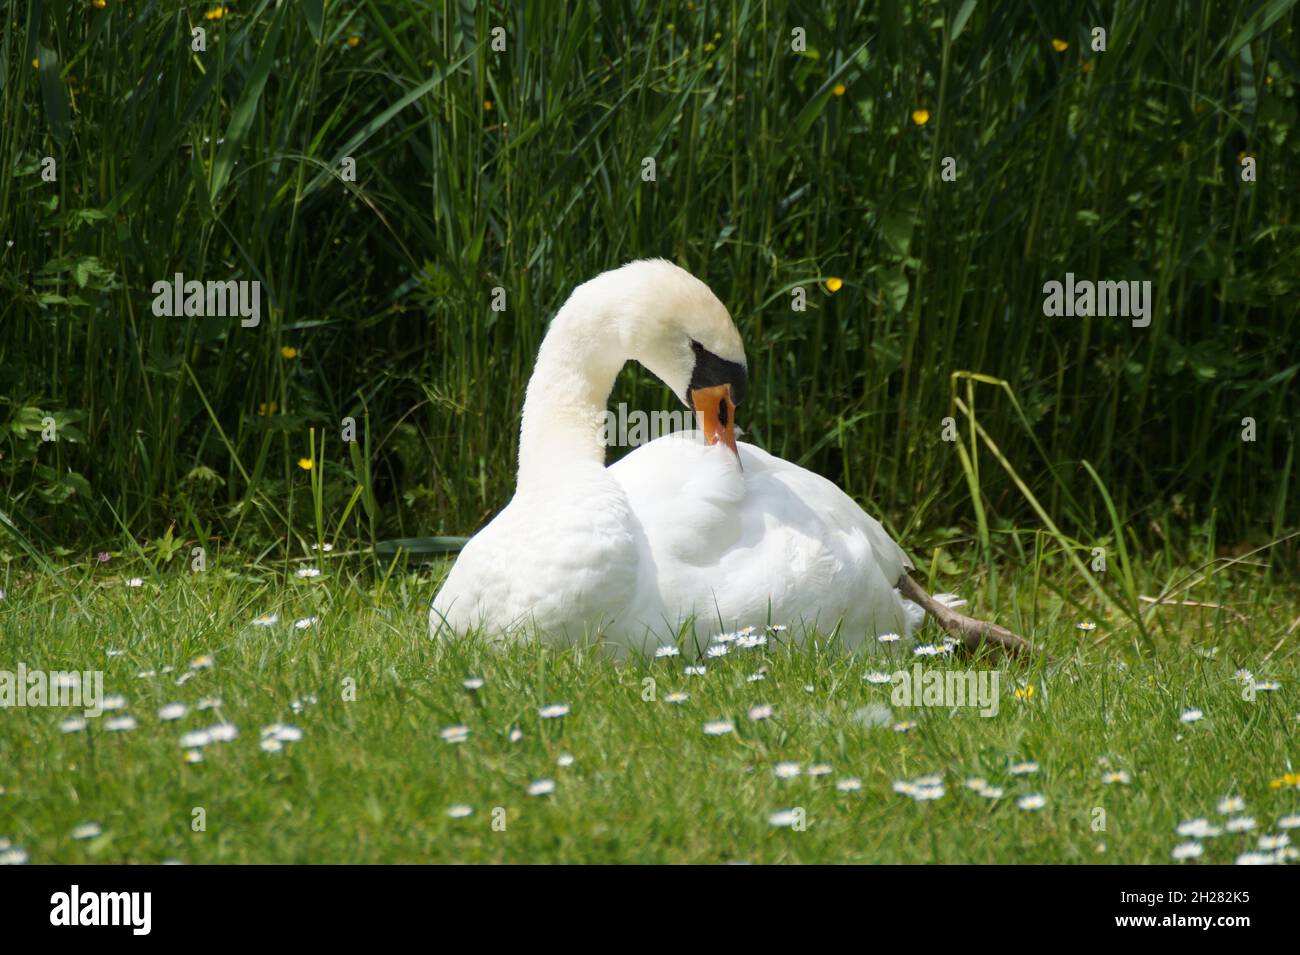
{"x":13,"y":857}
{"x":208,"y":703}
{"x":1031,"y":802}
{"x":889,"y":638}
{"x":677,"y":697}
{"x":283,"y":732}
{"x":271,"y":745}
{"x":850,"y":784}
{"x":1198,"y":829}
{"x":195,"y":738}
{"x":717,"y":650}
{"x":977,"y":784}
{"x":223,"y":732}
{"x":184,"y":678}
{"x":516,"y":734}
{"x":695,"y":671}
{"x":1087,"y":626}
{"x":1289,"y":822}
{"x":924,"y":793}
{"x":1255,"y":858}
{"x":1191,"y":716}
{"x":1231,"y":804}
{"x":1023,"y":769}
{"x":120,"y":724}
{"x":297,"y":705}
{"x":146,"y":674}
{"x":554,"y":711}
{"x":87,"y":830}
{"x":904,"y":787}
{"x":460,"y":811}
{"x":541,"y":787}
{"x":307,"y":572}
{"x":73,"y":724}
{"x":305,"y":622}
{"x":819,"y":769}
{"x":876,"y":677}
{"x":783,"y":819}
{"x":1240,"y":824}
{"x":926,"y":650}
{"x":777,"y":628}
{"x":472,"y":683}
{"x":718,"y":728}
{"x":114,"y":702}
{"x":905,"y":727}
{"x":786,"y":770}
{"x":135,"y":582}
{"x":756,"y":677}
{"x":992,"y":792}
{"x":266,"y":620}
{"x":667,"y":650}
{"x":194,"y":756}
{"x":1118,"y":776}
{"x":1187,"y":850}
{"x":327,"y":548}
{"x":1268,"y":686}
{"x":760,"y":711}
{"x":1243,"y":676}
{"x":725,"y":638}
{"x":750,"y":641}
{"x":564,"y":760}
{"x":204,"y":662}
{"x":454,"y":734}
{"x":1271,"y":842}
{"x":172,"y":711}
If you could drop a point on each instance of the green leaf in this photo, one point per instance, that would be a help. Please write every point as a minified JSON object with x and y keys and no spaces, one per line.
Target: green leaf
{"x":55,"y":95}
{"x":242,"y":118}
{"x":314,"y":11}
{"x":1264,"y":17}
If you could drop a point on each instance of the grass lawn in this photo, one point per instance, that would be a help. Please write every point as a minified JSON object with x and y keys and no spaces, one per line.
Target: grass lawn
{"x":372,"y":777}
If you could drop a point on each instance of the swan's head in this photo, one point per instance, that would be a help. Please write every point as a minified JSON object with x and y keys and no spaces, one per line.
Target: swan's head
{"x":674,"y":325}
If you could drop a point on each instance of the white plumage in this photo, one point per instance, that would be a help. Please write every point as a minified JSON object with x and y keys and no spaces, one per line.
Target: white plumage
{"x":676,"y":532}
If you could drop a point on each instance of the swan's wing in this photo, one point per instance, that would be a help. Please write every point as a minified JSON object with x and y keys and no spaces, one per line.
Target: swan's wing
{"x":726,"y":544}
{"x":563,"y":561}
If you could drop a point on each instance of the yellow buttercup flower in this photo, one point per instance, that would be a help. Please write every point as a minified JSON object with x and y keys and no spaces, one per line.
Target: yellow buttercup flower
{"x":921,"y":117}
{"x":288,"y":351}
{"x":99,"y":4}
{"x":1287,"y":779}
{"x":839,"y":89}
{"x":36,"y":64}
{"x":354,"y":41}
{"x":1024,"y":693}
{"x":1060,"y":46}
{"x":834,"y":284}
{"x":487,"y":106}
{"x":306,"y":463}
{"x":216,"y":13}
{"x":265,"y":409}
{"x":1087,"y":66}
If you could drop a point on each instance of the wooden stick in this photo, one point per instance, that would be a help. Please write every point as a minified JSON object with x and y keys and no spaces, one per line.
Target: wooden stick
{"x":973,"y":633}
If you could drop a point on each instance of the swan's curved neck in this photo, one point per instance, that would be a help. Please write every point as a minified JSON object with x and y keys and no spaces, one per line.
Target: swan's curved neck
{"x":564,"y":411}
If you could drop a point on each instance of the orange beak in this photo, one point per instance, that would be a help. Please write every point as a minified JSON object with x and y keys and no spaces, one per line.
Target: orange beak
{"x":717,"y":415}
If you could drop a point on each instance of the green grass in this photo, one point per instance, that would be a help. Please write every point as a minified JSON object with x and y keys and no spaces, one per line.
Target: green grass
{"x":371,"y":779}
{"x":219,"y":166}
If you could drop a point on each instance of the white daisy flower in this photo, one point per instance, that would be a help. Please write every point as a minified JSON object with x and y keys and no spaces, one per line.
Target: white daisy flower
{"x":906,"y":726}
{"x":1031,"y":802}
{"x":120,"y":724}
{"x":1187,"y":850}
{"x":146,"y":674}
{"x":1023,"y":769}
{"x":73,"y":724}
{"x":1239,"y":824}
{"x":13,"y":857}
{"x":305,"y":622}
{"x":307,"y":572}
{"x":1198,"y":829}
{"x":223,"y":732}
{"x":1270,"y":841}
{"x":1231,"y":804}
{"x":719,"y":728}
{"x":1117,"y":776}
{"x":203,"y":662}
{"x":271,"y":745}
{"x":786,"y":770}
{"x":135,"y":582}
{"x":876,"y":677}
{"x":889,"y":638}
{"x":114,"y":653}
{"x":454,"y":734}
{"x":725,"y":638}
{"x":564,"y":760}
{"x":676,"y":696}
{"x":266,"y":620}
{"x":196,"y":738}
{"x":751,"y":641}
{"x":667,"y":650}
{"x":783,"y":819}
{"x":327,"y":548}
{"x":194,"y":756}
{"x":926,"y":650}
{"x":554,"y":711}
{"x":819,"y":769}
{"x":172,"y":711}
{"x":1256,"y":858}
{"x":760,"y":711}
{"x":758,"y":677}
{"x":777,"y":628}
{"x":284,"y":732}
{"x":541,"y":787}
{"x":992,"y":792}
{"x":208,"y":703}
{"x":472,"y":683}
{"x":904,"y":787}
{"x":516,"y":734}
{"x":976,"y":784}
{"x":1191,"y":716}
{"x":1087,"y":626}
{"x":695,"y":671}
{"x":1289,"y":822}
{"x":114,"y":702}
{"x":1243,"y":676}
{"x":460,"y":811}
{"x":87,"y":830}
{"x":1268,"y":686}
{"x":717,"y":650}
{"x":849,"y":784}
{"x":184,"y":678}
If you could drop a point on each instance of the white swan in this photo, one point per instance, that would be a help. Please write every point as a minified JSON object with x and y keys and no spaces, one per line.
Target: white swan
{"x":676,"y":531}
